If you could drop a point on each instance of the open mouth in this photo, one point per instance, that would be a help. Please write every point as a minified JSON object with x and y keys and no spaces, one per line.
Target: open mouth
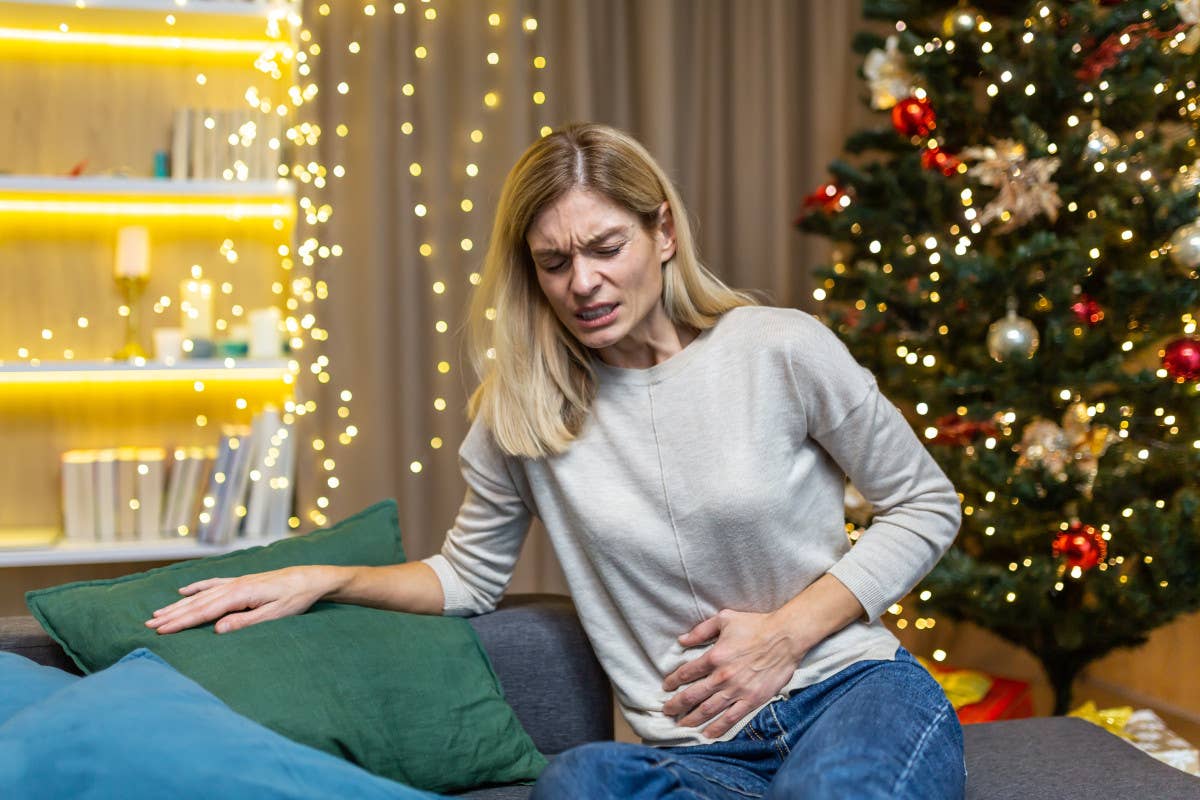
{"x":599,"y":316}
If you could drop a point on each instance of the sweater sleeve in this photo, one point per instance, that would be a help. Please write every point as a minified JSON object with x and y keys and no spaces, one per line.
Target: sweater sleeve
{"x":917,"y":510}
{"x":477,"y":558}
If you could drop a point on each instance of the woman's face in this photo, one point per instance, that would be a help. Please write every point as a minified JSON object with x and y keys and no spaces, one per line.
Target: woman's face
{"x":599,"y":269}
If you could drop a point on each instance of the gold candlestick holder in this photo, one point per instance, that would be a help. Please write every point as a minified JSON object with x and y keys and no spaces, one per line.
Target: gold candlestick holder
{"x":132,"y":288}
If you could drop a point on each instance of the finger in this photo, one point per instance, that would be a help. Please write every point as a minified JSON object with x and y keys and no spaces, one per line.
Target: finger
{"x":705,"y":631}
{"x":192,"y":591}
{"x":690,"y":697}
{"x":731,"y":717}
{"x":186,"y":604}
{"x":244,"y":619}
{"x":690,"y":672}
{"x":199,"y":613}
{"x":707,"y":710}
{"x":200,"y":586}
{"x":174,"y":608}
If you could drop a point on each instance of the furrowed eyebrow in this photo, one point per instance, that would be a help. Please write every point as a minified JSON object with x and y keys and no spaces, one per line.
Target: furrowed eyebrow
{"x":595,"y":240}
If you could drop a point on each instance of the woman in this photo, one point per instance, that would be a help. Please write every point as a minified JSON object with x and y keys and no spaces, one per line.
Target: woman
{"x":686,"y":450}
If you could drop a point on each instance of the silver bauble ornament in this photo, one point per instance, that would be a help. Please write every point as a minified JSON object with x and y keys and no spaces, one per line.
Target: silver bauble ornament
{"x":1012,"y":337}
{"x":1100,"y":142}
{"x":1185,"y":246}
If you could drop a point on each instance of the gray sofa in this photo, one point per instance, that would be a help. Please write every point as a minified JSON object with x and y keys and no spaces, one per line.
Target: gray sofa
{"x":562,"y":698}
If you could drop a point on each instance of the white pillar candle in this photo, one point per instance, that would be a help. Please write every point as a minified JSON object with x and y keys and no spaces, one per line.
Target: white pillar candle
{"x":168,"y":344}
{"x":196,"y":308}
{"x":133,"y":252}
{"x":266,"y":337}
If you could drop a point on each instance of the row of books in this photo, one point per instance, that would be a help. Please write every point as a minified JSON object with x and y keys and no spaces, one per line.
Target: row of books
{"x":207,"y":142}
{"x":238,"y":488}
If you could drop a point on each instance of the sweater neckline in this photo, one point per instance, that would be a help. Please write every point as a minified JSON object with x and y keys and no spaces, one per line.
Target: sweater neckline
{"x":646,"y":376}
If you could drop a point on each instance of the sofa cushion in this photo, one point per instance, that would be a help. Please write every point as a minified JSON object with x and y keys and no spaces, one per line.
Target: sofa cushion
{"x":409,"y":697}
{"x":1066,"y":759}
{"x":24,"y":683}
{"x":140,"y":729}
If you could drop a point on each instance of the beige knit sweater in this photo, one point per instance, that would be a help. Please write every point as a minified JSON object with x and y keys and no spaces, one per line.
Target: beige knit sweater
{"x":712,"y":480}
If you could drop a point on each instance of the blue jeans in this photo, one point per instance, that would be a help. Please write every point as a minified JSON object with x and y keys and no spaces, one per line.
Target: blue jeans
{"x":877,"y":729}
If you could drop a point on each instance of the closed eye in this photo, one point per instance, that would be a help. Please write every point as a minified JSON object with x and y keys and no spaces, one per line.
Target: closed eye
{"x":605,"y":252}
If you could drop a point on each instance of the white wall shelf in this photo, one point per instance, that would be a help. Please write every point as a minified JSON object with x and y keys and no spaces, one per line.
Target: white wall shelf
{"x":64,"y":553}
{"x":232,"y":8}
{"x":190,"y":370}
{"x":219,"y":28}
{"x":143,"y":187}
{"x":146,"y":197}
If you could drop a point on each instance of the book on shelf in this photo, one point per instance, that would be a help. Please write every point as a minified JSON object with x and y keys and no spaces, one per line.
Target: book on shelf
{"x":216,"y":494}
{"x":126,"y":499}
{"x":205,"y":142}
{"x":233,"y":490}
{"x":187,"y":476}
{"x":209,"y":512}
{"x":79,"y":499}
{"x":201,"y":461}
{"x":178,"y":465}
{"x":280,"y":509}
{"x":151,"y":463}
{"x":106,"y":496}
{"x":181,"y":144}
{"x":265,"y":452}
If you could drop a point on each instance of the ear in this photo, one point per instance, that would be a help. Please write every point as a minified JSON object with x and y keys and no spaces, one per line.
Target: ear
{"x":666,"y":233}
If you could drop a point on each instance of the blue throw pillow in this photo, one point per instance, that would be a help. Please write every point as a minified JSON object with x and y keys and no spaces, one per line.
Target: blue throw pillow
{"x":139,"y":729}
{"x":24,"y":682}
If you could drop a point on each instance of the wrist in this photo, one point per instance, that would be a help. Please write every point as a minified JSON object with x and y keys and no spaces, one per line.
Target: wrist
{"x":328,"y":581}
{"x":794,"y":632}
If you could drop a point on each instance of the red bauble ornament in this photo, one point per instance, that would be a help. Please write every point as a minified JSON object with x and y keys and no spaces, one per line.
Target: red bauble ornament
{"x":827,"y":198}
{"x":953,"y":429}
{"x":1181,"y":359}
{"x":1080,"y":545}
{"x":913,"y":116}
{"x":939,"y":159}
{"x":1108,"y":53}
{"x":1087,"y":310}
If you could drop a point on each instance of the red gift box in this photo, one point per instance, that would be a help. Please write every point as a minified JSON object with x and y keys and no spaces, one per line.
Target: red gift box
{"x":1007,"y":699}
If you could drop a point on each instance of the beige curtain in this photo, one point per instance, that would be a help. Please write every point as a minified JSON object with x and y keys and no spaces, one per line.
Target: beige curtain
{"x":743,"y":101}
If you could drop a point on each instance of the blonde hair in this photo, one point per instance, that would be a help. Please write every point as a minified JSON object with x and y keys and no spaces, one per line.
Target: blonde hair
{"x":537,"y":385}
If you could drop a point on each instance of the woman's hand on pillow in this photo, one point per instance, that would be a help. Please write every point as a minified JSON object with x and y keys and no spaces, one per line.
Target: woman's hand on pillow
{"x":235,"y":603}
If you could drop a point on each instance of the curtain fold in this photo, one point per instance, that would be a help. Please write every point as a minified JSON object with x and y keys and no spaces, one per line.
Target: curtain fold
{"x":744,"y":102}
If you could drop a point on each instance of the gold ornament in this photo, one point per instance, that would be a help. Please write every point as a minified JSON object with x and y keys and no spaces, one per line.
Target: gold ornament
{"x":1077,"y":442}
{"x":887,"y":75}
{"x":1025,"y":186}
{"x":961,"y":21}
{"x":1112,"y":720}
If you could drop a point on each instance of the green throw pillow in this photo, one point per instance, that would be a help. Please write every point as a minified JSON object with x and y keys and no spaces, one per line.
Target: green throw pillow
{"x":407,"y":696}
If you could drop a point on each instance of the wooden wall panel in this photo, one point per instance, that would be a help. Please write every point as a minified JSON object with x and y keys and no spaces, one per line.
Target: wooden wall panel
{"x":112,"y":112}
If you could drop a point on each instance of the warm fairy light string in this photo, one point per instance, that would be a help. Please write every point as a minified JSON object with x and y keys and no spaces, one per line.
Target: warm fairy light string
{"x":491,"y":102}
{"x":961,"y":242}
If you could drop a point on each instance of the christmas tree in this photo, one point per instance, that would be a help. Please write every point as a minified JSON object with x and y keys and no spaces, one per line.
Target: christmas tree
{"x":1015,"y":257}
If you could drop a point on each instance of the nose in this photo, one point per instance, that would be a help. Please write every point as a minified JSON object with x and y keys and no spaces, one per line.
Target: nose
{"x":584,"y":277}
